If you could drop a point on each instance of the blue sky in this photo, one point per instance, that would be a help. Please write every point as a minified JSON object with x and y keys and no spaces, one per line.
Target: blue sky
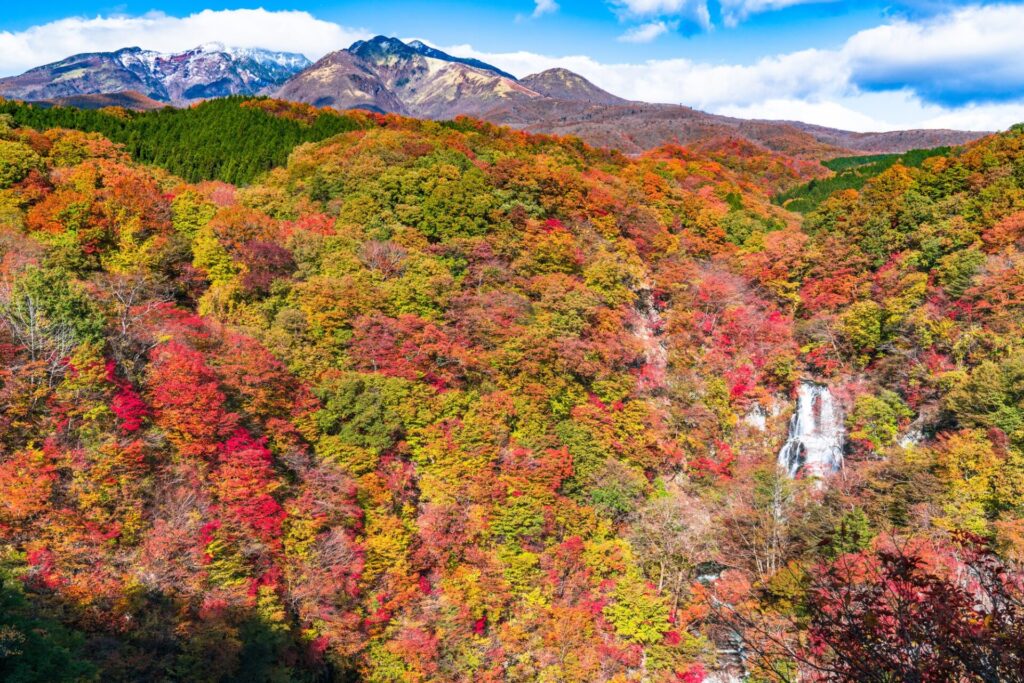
{"x":861,"y":65}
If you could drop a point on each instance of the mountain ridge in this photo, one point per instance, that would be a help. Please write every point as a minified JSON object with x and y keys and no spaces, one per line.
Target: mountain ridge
{"x":209,"y":70}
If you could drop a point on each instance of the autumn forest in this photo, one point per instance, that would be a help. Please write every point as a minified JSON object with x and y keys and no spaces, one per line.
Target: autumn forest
{"x":359,"y":397}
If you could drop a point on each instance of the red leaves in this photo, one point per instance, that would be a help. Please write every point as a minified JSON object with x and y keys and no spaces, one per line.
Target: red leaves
{"x":409,"y":347}
{"x":244,"y":482}
{"x":26,"y":481}
{"x":717,"y":464}
{"x":548,"y":469}
{"x":126,"y":404}
{"x":694,"y":674}
{"x":42,"y":569}
{"x":265,"y":261}
{"x":187,"y":399}
{"x":933,"y":612}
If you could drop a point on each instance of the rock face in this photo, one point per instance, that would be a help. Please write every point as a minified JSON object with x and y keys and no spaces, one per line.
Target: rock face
{"x":207,"y":71}
{"x":816,"y":433}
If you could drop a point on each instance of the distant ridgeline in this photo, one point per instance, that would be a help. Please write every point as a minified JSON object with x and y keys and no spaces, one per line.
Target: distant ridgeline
{"x":233,"y":139}
{"x":851,"y":173}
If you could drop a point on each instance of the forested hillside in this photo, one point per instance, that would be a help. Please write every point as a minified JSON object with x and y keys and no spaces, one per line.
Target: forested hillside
{"x":233,"y":139}
{"x":444,"y":401}
{"x":851,"y":173}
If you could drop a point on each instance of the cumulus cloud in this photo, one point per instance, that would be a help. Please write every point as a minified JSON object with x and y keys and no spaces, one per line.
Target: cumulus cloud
{"x":544,"y":7}
{"x":290,"y":31}
{"x":971,"y":55}
{"x":645,"y":33}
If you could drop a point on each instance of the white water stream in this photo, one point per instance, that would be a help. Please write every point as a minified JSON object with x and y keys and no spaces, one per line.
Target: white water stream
{"x":816,"y":433}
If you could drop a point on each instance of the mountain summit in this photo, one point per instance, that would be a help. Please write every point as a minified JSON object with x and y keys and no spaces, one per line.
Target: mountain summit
{"x":388,"y":75}
{"x":562,"y":84}
{"x":210,"y":70}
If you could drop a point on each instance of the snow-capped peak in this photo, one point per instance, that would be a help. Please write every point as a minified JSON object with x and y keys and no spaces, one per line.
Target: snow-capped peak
{"x":211,"y":47}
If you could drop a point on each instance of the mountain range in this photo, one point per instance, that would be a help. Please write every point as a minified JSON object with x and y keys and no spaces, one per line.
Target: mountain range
{"x":210,"y":70}
{"x":388,"y":75}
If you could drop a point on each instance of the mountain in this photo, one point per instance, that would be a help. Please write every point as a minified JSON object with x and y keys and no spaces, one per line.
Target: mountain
{"x":210,"y":70}
{"x":387,"y":75}
{"x":126,"y":99}
{"x":564,"y":85}
{"x":428,"y":51}
{"x":635,"y":127}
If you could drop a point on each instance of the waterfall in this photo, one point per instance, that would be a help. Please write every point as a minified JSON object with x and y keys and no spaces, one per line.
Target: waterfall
{"x":816,"y":433}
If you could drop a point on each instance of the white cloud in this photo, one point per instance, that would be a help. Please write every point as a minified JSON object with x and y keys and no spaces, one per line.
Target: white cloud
{"x":645,"y":33}
{"x":544,"y":7}
{"x":642,"y":8}
{"x":290,"y":31}
{"x":735,"y":11}
{"x":831,"y":114}
{"x":693,"y":10}
{"x":971,"y":54}
{"x":705,"y":86}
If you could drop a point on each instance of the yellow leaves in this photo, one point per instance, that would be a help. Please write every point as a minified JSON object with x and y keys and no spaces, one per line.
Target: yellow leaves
{"x":861,"y":325}
{"x":613,"y":276}
{"x":1010,"y":538}
{"x":608,"y":557}
{"x":980,"y":480}
{"x":212,"y":258}
{"x":386,"y":542}
{"x":329,"y":304}
{"x":910,"y":292}
{"x":548,"y":252}
{"x":521,"y":569}
{"x":353,"y":459}
{"x":16,"y":161}
{"x":300,"y":535}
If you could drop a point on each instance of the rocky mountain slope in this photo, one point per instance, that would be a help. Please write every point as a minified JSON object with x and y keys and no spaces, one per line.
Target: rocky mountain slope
{"x":566,"y":86}
{"x":387,"y":75}
{"x":211,"y":70}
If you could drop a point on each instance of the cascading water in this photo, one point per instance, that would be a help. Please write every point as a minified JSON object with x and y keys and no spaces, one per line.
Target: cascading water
{"x":816,"y":433}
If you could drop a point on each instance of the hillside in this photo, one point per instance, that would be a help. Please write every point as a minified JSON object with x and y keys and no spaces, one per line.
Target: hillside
{"x":388,"y":76}
{"x":851,"y":173}
{"x":637,"y":126}
{"x":448,"y":401}
{"x":126,"y":99}
{"x":202,"y":142}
